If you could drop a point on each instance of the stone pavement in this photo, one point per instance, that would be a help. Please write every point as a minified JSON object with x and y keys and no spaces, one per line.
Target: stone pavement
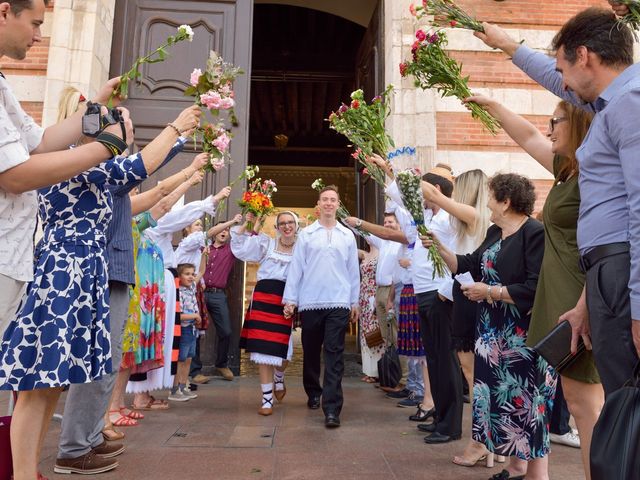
{"x":220,"y":436}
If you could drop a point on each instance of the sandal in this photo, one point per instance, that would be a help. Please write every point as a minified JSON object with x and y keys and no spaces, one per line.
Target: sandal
{"x":153,"y":404}
{"x":122,"y":420}
{"x":422,"y":415}
{"x":371,"y":380}
{"x":131,"y":413}
{"x":110,"y":434}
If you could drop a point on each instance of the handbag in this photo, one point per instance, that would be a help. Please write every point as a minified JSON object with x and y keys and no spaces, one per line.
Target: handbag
{"x":389,"y":368}
{"x":374,"y":338}
{"x":615,"y":445}
{"x":6,"y":464}
{"x":555,"y":347}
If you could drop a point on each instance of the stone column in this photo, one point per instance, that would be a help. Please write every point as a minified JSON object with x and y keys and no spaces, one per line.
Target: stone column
{"x":80,"y":50}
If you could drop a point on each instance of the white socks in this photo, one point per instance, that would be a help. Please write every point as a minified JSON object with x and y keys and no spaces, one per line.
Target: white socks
{"x":267,"y":395}
{"x":278,"y":380}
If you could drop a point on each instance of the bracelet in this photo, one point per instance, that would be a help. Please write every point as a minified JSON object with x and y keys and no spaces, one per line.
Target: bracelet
{"x":177,"y":130}
{"x":186,"y":177}
{"x":113,"y":143}
{"x":500,"y":293}
{"x":489,"y":299}
{"x":358,"y":223}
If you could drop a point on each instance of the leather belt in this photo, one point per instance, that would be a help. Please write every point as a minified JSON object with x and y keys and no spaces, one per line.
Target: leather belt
{"x":596,"y":254}
{"x":214,"y":289}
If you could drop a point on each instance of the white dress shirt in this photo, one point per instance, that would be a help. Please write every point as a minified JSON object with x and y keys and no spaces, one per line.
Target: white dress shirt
{"x":324,"y":271}
{"x":190,"y":248}
{"x":174,"y":221}
{"x":19,"y":136}
{"x":387,"y":259}
{"x":261,"y":248}
{"x":400,"y":274}
{"x":421,"y":266}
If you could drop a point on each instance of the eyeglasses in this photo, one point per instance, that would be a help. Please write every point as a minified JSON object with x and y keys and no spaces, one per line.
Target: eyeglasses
{"x":290,"y":223}
{"x":554,"y":121}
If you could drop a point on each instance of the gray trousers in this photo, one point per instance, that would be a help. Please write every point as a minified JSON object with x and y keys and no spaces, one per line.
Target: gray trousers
{"x":86,"y":404}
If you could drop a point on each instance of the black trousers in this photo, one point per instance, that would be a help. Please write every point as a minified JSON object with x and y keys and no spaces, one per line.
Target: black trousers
{"x":444,"y":368}
{"x":323,"y":332}
{"x":610,"y":317}
{"x":559,"y":423}
{"x":219,"y":311}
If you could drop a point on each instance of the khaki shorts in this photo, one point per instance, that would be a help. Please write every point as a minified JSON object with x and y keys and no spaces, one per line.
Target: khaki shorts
{"x":11,"y":292}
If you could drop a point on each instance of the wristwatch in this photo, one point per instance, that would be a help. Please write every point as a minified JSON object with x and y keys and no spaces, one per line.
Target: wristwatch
{"x":358,"y":222}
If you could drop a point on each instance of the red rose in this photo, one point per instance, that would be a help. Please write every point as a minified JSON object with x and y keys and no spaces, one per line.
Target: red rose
{"x":420,"y":35}
{"x":355,"y":104}
{"x":424,"y":3}
{"x":453,"y":23}
{"x":403,"y":68}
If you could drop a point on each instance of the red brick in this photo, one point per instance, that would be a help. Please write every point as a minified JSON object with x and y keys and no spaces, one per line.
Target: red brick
{"x":34,"y":109}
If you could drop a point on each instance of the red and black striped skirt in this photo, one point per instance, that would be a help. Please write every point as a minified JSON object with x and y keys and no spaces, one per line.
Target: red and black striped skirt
{"x":265,"y":329}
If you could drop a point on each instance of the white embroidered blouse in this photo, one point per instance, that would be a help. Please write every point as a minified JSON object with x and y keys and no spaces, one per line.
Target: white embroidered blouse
{"x":274,"y":265}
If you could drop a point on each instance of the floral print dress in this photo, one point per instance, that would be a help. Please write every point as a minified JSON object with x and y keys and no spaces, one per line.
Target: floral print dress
{"x":514,"y":387}
{"x":368,"y":319}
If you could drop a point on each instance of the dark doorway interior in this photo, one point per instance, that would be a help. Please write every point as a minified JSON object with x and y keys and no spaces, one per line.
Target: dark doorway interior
{"x":303,"y":66}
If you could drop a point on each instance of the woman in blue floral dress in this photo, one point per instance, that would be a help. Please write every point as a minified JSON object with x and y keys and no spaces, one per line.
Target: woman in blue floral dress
{"x":514,"y":387}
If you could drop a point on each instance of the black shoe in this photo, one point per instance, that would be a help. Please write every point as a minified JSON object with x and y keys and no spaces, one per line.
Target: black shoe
{"x":465,"y":398}
{"x":436,"y":437}
{"x":427,"y":427}
{"x":504,"y":475}
{"x":331,"y":420}
{"x":404,"y":393}
{"x":422,"y":415}
{"x":313,"y":403}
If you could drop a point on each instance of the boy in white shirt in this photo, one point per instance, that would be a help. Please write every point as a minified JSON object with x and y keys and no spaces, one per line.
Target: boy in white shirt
{"x":324,"y":283}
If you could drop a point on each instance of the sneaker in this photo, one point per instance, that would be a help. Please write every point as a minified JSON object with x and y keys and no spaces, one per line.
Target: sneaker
{"x":186,"y":391}
{"x":87,"y":464}
{"x":108,"y":450}
{"x":570,"y":439}
{"x":411,"y":401}
{"x":226,"y":373}
{"x":404,"y":393}
{"x":179,"y":396}
{"x":201,"y":379}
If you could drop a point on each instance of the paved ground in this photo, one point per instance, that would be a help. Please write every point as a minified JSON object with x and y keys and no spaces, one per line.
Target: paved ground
{"x":220,"y":436}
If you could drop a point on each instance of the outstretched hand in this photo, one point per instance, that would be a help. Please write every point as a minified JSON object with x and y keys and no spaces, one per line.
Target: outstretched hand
{"x":619,"y":9}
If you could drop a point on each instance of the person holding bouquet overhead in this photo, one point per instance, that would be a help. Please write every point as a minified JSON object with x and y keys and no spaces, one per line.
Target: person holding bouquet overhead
{"x":324,"y":284}
{"x":266,"y":333}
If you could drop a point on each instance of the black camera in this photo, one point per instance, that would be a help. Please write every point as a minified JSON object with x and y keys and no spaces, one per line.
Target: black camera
{"x":91,"y":124}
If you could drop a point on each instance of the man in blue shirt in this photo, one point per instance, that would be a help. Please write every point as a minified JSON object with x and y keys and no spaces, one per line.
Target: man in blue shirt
{"x":594,"y":69}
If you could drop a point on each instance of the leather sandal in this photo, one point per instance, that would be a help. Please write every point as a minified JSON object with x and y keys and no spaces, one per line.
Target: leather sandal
{"x":110,"y":434}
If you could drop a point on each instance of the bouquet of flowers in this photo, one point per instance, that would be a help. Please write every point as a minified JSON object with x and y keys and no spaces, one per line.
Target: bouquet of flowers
{"x":213,"y":88}
{"x":185,"y":32}
{"x":342,"y":213}
{"x":433,"y":68}
{"x":631,"y":19}
{"x":446,"y":13}
{"x":257,"y":199}
{"x":215,"y":142}
{"x":363,"y":124}
{"x":409,"y":185}
{"x":248,"y":173}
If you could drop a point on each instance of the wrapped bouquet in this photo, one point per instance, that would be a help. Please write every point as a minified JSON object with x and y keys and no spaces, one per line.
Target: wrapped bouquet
{"x":257,"y":199}
{"x":409,"y":185}
{"x":363,"y":124}
{"x":432,"y":67}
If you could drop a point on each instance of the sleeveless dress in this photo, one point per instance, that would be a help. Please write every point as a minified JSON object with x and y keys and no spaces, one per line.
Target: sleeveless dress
{"x":62,"y":333}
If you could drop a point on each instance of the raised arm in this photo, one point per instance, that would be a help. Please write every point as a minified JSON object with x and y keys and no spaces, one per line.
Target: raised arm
{"x":378,"y":230}
{"x":145,"y":200}
{"x":465,"y":213}
{"x":521,"y":130}
{"x":216,"y":229}
{"x":163,"y":207}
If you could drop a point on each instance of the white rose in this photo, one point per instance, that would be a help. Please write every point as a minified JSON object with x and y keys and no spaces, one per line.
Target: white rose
{"x":186,"y":29}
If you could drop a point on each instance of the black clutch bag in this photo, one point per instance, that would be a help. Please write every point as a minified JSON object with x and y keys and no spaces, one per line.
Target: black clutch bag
{"x":555,"y":347}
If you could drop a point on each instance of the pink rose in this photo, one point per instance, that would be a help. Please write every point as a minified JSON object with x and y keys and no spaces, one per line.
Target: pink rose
{"x":412,"y":10}
{"x":222,"y":142}
{"x":227,"y":90}
{"x":195,"y":76}
{"x":211,"y":100}
{"x":420,"y":35}
{"x":227,"y":103}
{"x":217,"y":164}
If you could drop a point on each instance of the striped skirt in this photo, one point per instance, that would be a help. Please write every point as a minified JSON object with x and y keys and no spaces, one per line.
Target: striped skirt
{"x":409,"y":337}
{"x":265,"y":330}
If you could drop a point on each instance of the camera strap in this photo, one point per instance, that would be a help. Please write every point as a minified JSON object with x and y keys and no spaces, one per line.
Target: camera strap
{"x":112,"y":142}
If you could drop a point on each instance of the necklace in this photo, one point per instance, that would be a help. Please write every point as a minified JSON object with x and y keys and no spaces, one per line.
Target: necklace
{"x":517,"y":227}
{"x":286,"y":245}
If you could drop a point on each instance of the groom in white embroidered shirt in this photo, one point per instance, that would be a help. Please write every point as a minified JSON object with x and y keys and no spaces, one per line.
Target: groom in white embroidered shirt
{"x":324,"y":283}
